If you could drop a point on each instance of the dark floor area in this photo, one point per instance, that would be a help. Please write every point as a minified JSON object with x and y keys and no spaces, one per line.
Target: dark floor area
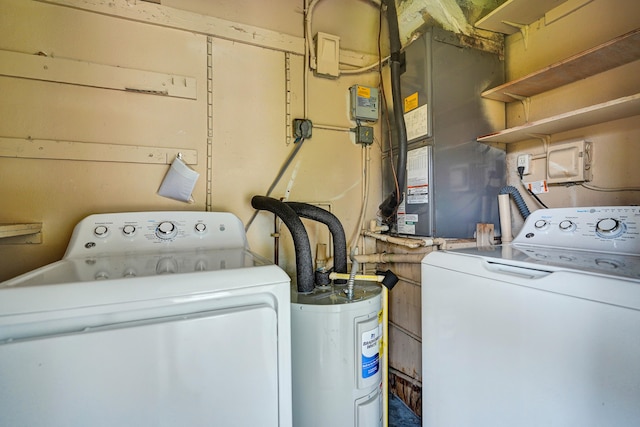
{"x":400,"y":415}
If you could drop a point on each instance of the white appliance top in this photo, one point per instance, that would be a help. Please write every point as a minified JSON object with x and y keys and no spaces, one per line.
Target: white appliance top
{"x":120,"y":257}
{"x":138,"y":232}
{"x":612,"y":229}
{"x":596,"y":240}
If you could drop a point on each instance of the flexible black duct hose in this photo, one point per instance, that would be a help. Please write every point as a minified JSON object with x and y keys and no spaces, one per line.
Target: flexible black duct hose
{"x":515,"y":194}
{"x":389,"y":205}
{"x":335,"y":228}
{"x":304,"y":261}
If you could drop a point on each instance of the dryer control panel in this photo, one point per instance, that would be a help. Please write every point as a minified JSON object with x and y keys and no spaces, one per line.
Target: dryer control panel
{"x":614,"y":229}
{"x":140,"y":232}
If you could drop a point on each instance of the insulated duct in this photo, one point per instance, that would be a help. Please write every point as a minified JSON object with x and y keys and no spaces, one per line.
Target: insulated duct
{"x":304,"y":261}
{"x":335,"y":228}
{"x":389,"y":205}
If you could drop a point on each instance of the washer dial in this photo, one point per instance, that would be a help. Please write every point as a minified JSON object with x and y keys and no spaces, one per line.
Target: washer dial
{"x":567,"y":225}
{"x":541,"y":224}
{"x":166,"y":230}
{"x":129,"y":230}
{"x":609,"y":228}
{"x":101,"y":231}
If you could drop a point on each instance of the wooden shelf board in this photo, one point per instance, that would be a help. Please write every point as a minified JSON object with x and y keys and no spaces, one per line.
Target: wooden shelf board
{"x":12,"y":230}
{"x":614,"y":53}
{"x":521,"y":12}
{"x":607,"y":111}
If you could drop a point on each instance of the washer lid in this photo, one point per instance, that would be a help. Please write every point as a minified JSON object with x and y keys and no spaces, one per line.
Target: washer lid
{"x":604,"y":264}
{"x":507,"y":265}
{"x":88,"y":282}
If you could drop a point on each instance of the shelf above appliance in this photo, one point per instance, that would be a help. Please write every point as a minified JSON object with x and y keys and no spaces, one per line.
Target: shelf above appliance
{"x":627,"y":106}
{"x":21,"y":233}
{"x":518,"y":12}
{"x":611,"y":54}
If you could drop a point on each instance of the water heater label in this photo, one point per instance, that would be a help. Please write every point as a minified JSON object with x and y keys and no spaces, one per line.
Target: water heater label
{"x":370,"y":352}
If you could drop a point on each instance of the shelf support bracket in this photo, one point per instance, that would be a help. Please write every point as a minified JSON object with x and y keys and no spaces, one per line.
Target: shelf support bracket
{"x":524,"y":30}
{"x":526,"y":104}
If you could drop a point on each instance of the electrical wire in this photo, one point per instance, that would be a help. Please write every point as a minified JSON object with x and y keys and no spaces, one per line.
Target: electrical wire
{"x":310,"y":56}
{"x":596,"y":188}
{"x":297,"y":146}
{"x":526,"y":187}
{"x":536,"y":197}
{"x":363,"y":209}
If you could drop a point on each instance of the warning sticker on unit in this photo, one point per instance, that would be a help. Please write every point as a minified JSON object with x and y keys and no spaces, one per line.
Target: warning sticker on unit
{"x":418,"y":195}
{"x":411,"y":102}
{"x":364,"y":92}
{"x":370,"y":352}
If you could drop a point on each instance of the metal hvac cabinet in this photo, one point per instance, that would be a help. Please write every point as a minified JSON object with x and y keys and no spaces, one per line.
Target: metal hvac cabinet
{"x":452,"y":180}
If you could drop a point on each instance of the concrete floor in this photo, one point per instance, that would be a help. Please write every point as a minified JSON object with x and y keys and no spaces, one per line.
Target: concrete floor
{"x":400,"y":415}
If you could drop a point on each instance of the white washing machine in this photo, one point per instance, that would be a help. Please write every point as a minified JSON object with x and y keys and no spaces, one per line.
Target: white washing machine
{"x":541,"y":332}
{"x":150,"y":319}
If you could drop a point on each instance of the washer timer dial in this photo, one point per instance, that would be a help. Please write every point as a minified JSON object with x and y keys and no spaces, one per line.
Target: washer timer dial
{"x":166,"y":230}
{"x":609,"y":228}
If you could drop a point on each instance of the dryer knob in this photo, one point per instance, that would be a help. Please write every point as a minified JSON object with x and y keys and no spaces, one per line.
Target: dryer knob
{"x":200,"y":227}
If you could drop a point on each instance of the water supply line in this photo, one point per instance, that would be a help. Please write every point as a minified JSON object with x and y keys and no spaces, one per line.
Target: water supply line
{"x":304,"y":261}
{"x":316,"y":213}
{"x":383,"y":258}
{"x":412,"y":243}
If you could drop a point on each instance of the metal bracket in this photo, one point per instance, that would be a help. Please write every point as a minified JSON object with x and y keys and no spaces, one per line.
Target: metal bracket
{"x":524,"y":30}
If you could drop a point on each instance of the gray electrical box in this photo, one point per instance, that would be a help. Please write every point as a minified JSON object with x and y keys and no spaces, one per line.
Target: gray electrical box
{"x":452,"y":180}
{"x":364,"y":103}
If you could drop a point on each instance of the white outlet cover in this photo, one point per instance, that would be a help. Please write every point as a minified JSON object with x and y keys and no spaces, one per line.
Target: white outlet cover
{"x":568,"y":162}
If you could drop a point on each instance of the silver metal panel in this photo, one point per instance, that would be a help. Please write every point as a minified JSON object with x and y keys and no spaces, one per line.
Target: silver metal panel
{"x":466,"y":175}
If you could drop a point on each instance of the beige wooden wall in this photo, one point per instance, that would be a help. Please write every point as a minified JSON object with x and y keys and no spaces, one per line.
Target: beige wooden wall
{"x":615,"y":144}
{"x":256,"y":56}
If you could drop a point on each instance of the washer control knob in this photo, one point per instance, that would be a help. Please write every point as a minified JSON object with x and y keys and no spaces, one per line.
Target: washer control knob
{"x":128,"y":230}
{"x":166,"y":230}
{"x":200,"y":227}
{"x":567,"y":225}
{"x":541,"y":224}
{"x":101,"y":231}
{"x":609,"y":228}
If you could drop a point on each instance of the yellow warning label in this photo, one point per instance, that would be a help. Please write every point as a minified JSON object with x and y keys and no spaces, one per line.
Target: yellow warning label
{"x":364,"y":92}
{"x":411,"y":102}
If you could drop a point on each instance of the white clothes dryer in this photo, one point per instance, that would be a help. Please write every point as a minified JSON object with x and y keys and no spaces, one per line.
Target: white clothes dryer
{"x":150,"y":319}
{"x":541,"y":332}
